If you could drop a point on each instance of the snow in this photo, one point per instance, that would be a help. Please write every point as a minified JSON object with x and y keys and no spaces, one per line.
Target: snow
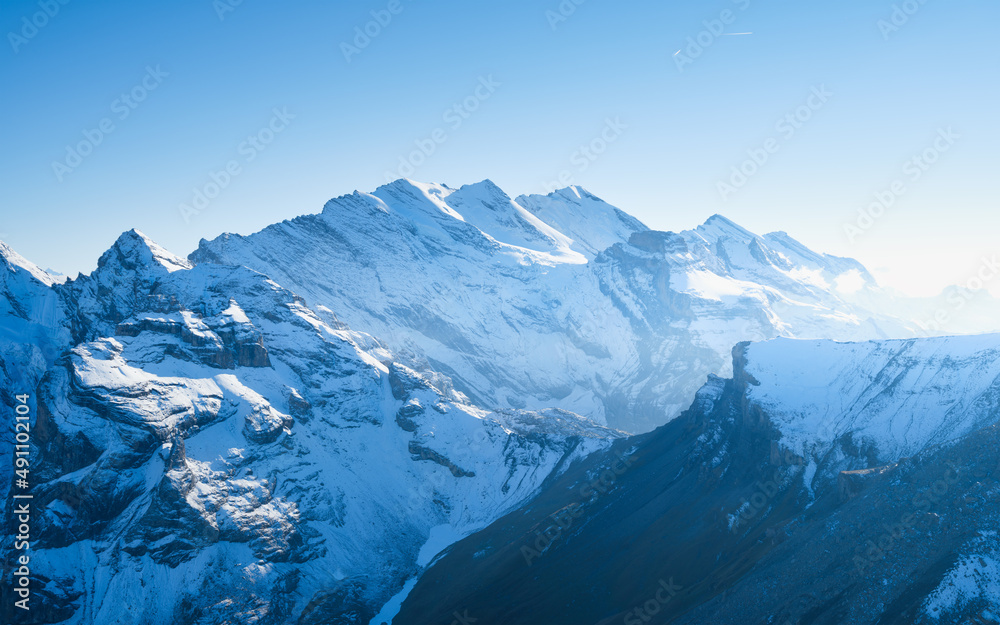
{"x":718,"y":227}
{"x":235,"y":314}
{"x":482,"y":207}
{"x":441,"y":536}
{"x":850,"y":282}
{"x":249,"y":460}
{"x":899,"y":396}
{"x":15,"y":262}
{"x":135,"y":242}
{"x":555,"y":301}
{"x":813,"y":277}
{"x":709,"y":285}
{"x":510,"y":331}
{"x":391,"y":607}
{"x":976,"y":576}
{"x":590,"y":223}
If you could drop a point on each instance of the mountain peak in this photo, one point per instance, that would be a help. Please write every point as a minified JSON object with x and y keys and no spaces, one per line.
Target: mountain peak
{"x":718,"y":227}
{"x":721,"y":221}
{"x":134,"y":249}
{"x":485,"y":183}
{"x":573,"y":191}
{"x":574,"y":194}
{"x":485,"y":192}
{"x":404,"y":194}
{"x":15,"y":262}
{"x":591,"y":223}
{"x":410,"y":187}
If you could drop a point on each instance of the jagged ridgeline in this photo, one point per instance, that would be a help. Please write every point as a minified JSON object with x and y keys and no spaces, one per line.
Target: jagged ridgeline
{"x":288,"y":427}
{"x":207,"y":449}
{"x":560,"y":300}
{"x":824,"y":483}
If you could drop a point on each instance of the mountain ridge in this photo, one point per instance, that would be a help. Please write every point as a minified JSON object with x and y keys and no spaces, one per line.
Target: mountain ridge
{"x":739,"y":526}
{"x":317,"y":412}
{"x":201,"y":423}
{"x":429,"y":269}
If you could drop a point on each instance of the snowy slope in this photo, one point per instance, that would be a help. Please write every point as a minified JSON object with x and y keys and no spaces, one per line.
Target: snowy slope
{"x":888,"y":514}
{"x":229,"y":420}
{"x":878,"y":401}
{"x":34,"y":331}
{"x":558,"y":300}
{"x":208,"y":449}
{"x":591,"y":223}
{"x":31,"y":311}
{"x":973,"y":581}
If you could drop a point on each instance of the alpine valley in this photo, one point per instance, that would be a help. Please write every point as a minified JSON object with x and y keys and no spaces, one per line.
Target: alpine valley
{"x":434,"y":405}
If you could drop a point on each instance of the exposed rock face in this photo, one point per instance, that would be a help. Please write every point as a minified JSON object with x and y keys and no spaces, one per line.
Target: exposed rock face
{"x":560,"y":300}
{"x":207,"y":449}
{"x":222,"y":343}
{"x":423,"y":453}
{"x":718,"y":517}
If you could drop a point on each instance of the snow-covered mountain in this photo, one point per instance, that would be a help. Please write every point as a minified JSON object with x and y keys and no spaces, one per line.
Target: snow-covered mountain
{"x":33,"y":333}
{"x":291,"y":426}
{"x":207,"y":449}
{"x":824,"y":482}
{"x":872,"y":403}
{"x":558,"y":300}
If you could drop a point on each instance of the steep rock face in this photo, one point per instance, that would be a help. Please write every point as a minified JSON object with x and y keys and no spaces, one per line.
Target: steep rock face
{"x":558,"y":300}
{"x":125,"y":279}
{"x":712,"y":518}
{"x":34,"y":332}
{"x":34,"y":326}
{"x":207,"y":449}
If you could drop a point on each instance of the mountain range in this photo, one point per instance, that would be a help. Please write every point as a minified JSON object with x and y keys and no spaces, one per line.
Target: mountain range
{"x":822,"y":483}
{"x":386,"y":406}
{"x":560,"y":300}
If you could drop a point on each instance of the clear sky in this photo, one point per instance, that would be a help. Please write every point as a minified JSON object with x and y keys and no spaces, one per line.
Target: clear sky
{"x":534,"y":81}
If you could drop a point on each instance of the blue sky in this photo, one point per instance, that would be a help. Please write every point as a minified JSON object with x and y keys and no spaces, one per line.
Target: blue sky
{"x":556,"y":75}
